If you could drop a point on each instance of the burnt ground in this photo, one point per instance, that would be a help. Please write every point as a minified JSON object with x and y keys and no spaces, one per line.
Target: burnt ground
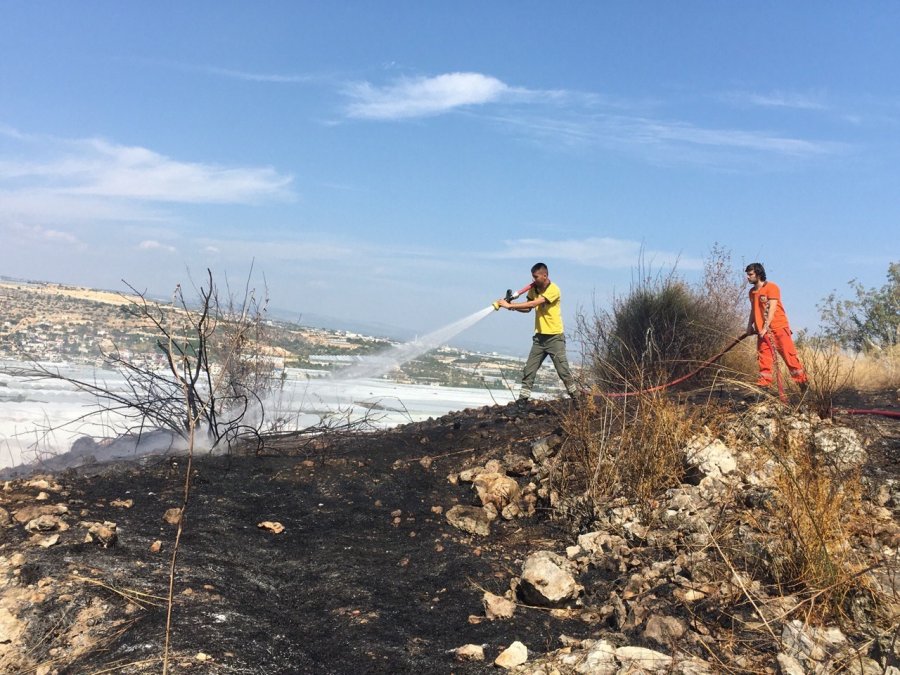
{"x":365,"y":578}
{"x":350,"y":586}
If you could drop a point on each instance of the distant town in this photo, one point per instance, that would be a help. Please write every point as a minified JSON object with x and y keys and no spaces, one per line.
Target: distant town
{"x":49,"y":322}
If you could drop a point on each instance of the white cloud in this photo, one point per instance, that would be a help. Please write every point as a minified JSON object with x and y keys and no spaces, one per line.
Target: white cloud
{"x":257,"y":77}
{"x":776,"y":99}
{"x":153,"y":245}
{"x":286,"y":250}
{"x":604,"y":252}
{"x":665,"y":140}
{"x":760,"y":141}
{"x":48,"y":205}
{"x":40,"y":233}
{"x":98,"y":168}
{"x":424,"y":96}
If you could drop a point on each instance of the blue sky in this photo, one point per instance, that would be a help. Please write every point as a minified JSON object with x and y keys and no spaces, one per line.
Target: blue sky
{"x":406,"y":162}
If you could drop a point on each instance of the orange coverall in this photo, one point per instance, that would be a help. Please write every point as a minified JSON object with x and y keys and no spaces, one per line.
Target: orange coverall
{"x":778,"y":335}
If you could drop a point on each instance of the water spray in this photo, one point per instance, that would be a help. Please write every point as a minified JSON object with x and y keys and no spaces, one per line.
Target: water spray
{"x":511,"y":295}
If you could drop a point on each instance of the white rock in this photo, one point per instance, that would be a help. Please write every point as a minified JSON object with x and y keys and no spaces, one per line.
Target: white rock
{"x":469,"y":519}
{"x":470,"y":652}
{"x":810,"y":643}
{"x":664,"y":630}
{"x":468,"y":475}
{"x":595,"y":542}
{"x":788,"y":665}
{"x":694,"y":666}
{"x":514,"y":655}
{"x":862,"y":665}
{"x":841,"y":446}
{"x":636,"y":659}
{"x":497,"y":607}
{"x":710,"y":456}
{"x":546,"y":579}
{"x":599,"y":660}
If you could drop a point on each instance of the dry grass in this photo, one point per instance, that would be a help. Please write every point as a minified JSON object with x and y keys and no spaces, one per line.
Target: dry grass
{"x":862,"y":372}
{"x":625,"y":447}
{"x":831,"y":370}
{"x":815,"y":509}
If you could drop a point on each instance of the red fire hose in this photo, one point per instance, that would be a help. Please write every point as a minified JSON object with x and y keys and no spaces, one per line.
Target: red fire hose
{"x":858,"y":411}
{"x":681,"y":379}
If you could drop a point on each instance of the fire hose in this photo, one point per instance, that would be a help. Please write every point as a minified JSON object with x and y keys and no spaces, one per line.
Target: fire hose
{"x":681,"y":379}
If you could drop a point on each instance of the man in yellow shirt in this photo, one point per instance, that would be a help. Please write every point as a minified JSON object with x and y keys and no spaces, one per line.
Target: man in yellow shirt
{"x":549,"y":339}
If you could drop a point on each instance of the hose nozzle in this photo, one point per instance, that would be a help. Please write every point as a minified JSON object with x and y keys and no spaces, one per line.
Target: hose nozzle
{"x":511,"y":295}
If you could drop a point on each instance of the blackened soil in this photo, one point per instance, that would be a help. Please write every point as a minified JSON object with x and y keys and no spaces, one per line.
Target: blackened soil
{"x":365,"y":578}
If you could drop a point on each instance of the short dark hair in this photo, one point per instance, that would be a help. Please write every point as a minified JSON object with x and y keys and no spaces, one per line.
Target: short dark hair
{"x":538,"y":266}
{"x":759,"y":269}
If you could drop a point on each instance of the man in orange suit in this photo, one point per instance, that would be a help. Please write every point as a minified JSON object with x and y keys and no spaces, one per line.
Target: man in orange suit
{"x":769,"y":321}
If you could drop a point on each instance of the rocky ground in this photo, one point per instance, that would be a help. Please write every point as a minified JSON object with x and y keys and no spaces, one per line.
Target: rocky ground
{"x":439,"y":547}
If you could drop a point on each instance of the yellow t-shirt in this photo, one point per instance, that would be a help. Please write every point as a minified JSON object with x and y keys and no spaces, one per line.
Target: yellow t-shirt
{"x":548,"y":316}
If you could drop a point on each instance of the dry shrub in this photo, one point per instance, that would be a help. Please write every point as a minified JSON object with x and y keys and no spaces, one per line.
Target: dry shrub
{"x":830,"y":372}
{"x":663,"y":327}
{"x":629,"y":448}
{"x":834,"y":371}
{"x":815,"y":513}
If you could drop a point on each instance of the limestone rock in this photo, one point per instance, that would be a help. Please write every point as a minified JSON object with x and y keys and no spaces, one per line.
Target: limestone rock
{"x":710,"y":456}
{"x":28,"y":513}
{"x":496,"y":488}
{"x":469,"y":475}
{"x":497,"y":607}
{"x":43,"y":483}
{"x":598,"y":543}
{"x":471,"y":519}
{"x":664,"y":630}
{"x":52,"y":540}
{"x":638,"y":659}
{"x":810,"y":643}
{"x":46,"y":523}
{"x":172,"y":516}
{"x":788,"y":665}
{"x":102,"y":533}
{"x":514,"y":655}
{"x":517,"y":465}
{"x":271,"y":526}
{"x":493,"y":466}
{"x":694,"y":666}
{"x":469,"y":652}
{"x":840,"y":445}
{"x":543,"y":448}
{"x":546,"y":580}
{"x":599,"y":660}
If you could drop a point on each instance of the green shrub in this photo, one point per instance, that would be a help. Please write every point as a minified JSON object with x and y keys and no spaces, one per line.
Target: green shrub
{"x":869,"y":322}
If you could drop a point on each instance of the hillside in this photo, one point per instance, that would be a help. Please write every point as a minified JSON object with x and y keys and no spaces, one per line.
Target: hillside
{"x":54,"y":323}
{"x":372,"y":572}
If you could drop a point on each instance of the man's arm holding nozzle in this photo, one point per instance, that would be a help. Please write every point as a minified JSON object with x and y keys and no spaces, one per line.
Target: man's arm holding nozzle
{"x":526,"y":306}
